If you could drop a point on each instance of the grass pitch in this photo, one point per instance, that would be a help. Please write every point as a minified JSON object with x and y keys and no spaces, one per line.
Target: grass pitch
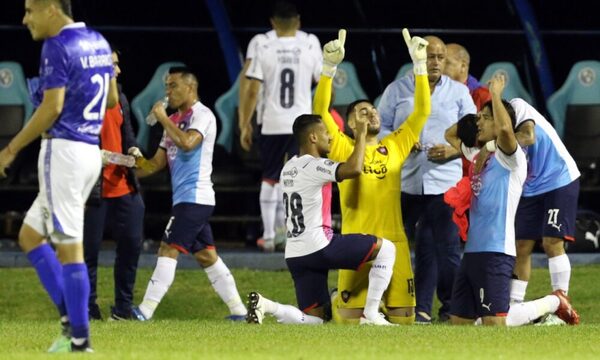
{"x":189,"y":324}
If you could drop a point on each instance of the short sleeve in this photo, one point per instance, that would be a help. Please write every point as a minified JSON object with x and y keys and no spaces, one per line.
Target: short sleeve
{"x":53,"y":66}
{"x":512,"y":161}
{"x":201,"y":121}
{"x":322,"y":170}
{"x":255,"y":70}
{"x":253,"y":45}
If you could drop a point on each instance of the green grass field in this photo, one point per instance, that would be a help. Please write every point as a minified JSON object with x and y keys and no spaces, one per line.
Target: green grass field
{"x":189,"y":324}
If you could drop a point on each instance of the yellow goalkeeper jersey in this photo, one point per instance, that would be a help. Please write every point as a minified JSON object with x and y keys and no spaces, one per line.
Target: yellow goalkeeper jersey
{"x":370,"y":203}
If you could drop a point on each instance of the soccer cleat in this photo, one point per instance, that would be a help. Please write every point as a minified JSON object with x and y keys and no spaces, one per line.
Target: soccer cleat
{"x":136,"y":314}
{"x":550,"y":320}
{"x":378,"y":320}
{"x":85,"y":347}
{"x":565,"y":311}
{"x":63,"y":343}
{"x":266,"y":245}
{"x":256,"y":311}
{"x":236,"y":318}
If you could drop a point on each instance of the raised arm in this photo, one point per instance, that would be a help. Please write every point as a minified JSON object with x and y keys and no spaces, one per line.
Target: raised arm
{"x":353,"y":166}
{"x":333,"y":54}
{"x":422,"y":106}
{"x":506,"y":139}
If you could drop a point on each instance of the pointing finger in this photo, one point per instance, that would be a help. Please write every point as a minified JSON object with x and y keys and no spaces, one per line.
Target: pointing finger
{"x":406,"y":36}
{"x":342,"y":36}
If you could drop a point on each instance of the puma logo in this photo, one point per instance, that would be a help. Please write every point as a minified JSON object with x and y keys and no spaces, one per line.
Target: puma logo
{"x":593,"y":238}
{"x":557,"y":227}
{"x":486,"y":306}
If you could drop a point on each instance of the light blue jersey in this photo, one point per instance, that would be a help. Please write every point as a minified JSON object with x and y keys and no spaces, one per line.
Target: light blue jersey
{"x":550,"y":166}
{"x":78,"y":59}
{"x":495,"y":197}
{"x":191,"y":170}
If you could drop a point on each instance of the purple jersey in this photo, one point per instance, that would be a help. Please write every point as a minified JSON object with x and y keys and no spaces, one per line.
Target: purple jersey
{"x":78,"y":59}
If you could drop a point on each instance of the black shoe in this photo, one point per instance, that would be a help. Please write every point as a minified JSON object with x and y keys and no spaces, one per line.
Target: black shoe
{"x":117,"y":316}
{"x":94,"y":312}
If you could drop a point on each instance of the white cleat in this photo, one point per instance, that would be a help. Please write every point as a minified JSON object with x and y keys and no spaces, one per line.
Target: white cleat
{"x":378,"y":320}
{"x":256,"y":309}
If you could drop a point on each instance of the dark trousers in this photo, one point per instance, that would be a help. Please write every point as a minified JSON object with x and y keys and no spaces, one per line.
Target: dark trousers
{"x":124,"y":216}
{"x":428,"y":220}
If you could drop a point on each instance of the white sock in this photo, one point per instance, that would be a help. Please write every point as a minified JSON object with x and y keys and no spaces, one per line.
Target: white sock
{"x":518,"y":288}
{"x":379,"y":277}
{"x":525,"y":312}
{"x":560,"y":272}
{"x":224,"y":284}
{"x":288,"y":314}
{"x":268,"y":209}
{"x":161,"y":280}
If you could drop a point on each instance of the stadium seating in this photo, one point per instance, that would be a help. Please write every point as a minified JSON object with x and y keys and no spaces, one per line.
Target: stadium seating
{"x":582,"y":87}
{"x":226,"y":109}
{"x":514,"y":86}
{"x":15,"y":104}
{"x":143,"y":102}
{"x":347,"y":85}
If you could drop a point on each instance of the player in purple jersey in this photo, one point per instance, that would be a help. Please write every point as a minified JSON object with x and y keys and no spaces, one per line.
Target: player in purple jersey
{"x":76,"y":78}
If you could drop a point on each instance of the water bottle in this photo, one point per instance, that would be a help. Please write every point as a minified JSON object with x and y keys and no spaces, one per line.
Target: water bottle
{"x":151,"y":119}
{"x":119,"y":159}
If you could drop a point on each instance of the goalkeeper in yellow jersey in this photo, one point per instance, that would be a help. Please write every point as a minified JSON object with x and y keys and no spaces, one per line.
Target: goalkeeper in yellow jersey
{"x":371,"y":203}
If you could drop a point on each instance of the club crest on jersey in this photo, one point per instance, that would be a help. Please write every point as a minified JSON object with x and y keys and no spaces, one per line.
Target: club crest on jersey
{"x":382,"y":150}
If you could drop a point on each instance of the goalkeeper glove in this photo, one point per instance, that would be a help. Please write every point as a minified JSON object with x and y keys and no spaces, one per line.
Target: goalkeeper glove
{"x":333,"y":54}
{"x":417,"y":48}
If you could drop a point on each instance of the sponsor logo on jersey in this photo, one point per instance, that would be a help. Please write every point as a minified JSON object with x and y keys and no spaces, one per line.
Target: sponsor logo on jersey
{"x":323,"y":170}
{"x":293,"y":172}
{"x":379,"y":170}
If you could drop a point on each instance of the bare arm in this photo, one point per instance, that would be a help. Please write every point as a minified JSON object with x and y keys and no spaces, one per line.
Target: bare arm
{"x":157,"y":163}
{"x":451,"y":136}
{"x":506,"y":139}
{"x":185,"y":140}
{"x":246,"y":110}
{"x":526,"y":133}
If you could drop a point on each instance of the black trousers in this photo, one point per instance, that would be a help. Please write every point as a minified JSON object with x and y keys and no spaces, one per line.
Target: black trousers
{"x":124,"y":216}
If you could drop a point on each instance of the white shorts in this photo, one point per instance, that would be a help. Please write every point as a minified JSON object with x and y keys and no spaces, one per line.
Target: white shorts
{"x":67,"y":172}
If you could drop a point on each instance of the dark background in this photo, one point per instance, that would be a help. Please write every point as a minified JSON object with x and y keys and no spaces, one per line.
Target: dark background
{"x":152,"y":32}
{"x":149,"y":33}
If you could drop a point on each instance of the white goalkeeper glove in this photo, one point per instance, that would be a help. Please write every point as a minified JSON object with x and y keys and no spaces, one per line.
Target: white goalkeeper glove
{"x":333,"y":54}
{"x":417,"y":48}
{"x":135,"y":152}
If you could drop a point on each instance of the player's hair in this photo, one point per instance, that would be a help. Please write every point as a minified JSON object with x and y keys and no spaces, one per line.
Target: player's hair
{"x":284,"y":10}
{"x":466,"y":130}
{"x":114,"y":48}
{"x":186,"y":74}
{"x":509,"y":110}
{"x":65,"y":6}
{"x":302,"y":126}
{"x":352,"y":105}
